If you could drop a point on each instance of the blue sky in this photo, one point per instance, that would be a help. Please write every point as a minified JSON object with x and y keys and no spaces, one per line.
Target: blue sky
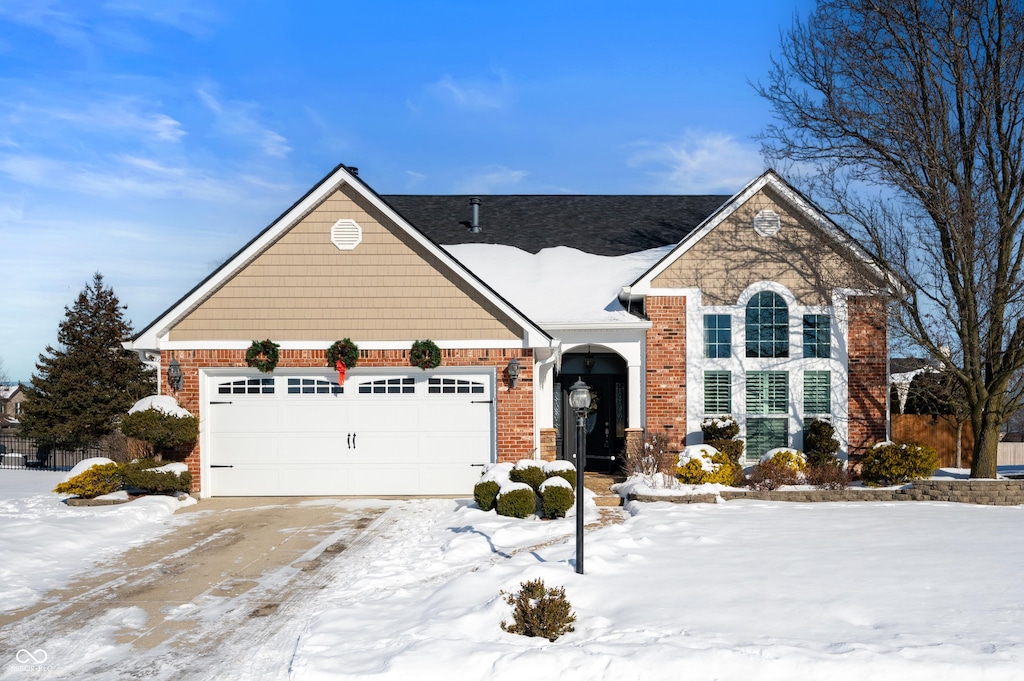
{"x":150,"y":140}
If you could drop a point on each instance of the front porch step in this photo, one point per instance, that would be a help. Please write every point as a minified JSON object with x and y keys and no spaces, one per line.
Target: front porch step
{"x":601,"y":485}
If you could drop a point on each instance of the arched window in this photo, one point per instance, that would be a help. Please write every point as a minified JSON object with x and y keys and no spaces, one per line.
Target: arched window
{"x":767,"y":325}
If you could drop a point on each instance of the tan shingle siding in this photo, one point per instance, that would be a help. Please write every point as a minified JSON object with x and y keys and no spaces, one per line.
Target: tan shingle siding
{"x":303,"y":288}
{"x":733,"y":256}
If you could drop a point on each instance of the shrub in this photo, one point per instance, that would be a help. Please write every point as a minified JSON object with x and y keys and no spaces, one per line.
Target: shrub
{"x":830,"y":475}
{"x":820,"y":444}
{"x":790,"y":458}
{"x":161,"y":430}
{"x":561,"y":469}
{"x":772,"y":474}
{"x":556,"y":497}
{"x":888,"y":463}
{"x":516,"y":500}
{"x":141,"y":476}
{"x":539,"y":611}
{"x":530,"y":473}
{"x":700,"y":464}
{"x":654,"y":454}
{"x":94,"y":482}
{"x":721,"y":433}
{"x":485,"y":493}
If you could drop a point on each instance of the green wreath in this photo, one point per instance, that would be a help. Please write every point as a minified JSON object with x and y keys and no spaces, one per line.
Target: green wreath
{"x":263,"y":355}
{"x":344,"y":351}
{"x":425,"y":354}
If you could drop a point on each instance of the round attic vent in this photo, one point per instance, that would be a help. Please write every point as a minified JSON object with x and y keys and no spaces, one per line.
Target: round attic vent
{"x":767,"y":223}
{"x":346,"y":234}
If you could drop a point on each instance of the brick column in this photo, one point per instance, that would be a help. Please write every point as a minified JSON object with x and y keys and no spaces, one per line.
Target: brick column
{"x":868,"y":345}
{"x":548,"y":439}
{"x":666,"y":365}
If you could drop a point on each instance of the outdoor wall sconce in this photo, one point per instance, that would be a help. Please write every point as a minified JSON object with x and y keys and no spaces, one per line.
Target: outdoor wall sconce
{"x":175,"y":378}
{"x":588,"y":360}
{"x":513,"y":372}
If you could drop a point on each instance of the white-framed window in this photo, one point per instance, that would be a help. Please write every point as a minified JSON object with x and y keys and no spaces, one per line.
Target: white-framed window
{"x":247,"y":386}
{"x":400,"y":385}
{"x":767,"y":392}
{"x":437,"y":385}
{"x":314,"y":386}
{"x":767,"y":325}
{"x":717,"y":336}
{"x":817,"y":336}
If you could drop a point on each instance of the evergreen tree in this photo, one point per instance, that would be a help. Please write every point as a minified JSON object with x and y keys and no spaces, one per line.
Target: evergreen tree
{"x":85,"y":385}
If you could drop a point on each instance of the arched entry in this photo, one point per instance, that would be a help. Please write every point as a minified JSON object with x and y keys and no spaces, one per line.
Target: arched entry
{"x":606,"y":374}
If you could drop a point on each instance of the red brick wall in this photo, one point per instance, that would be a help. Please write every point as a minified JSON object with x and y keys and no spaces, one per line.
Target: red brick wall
{"x":514,"y":407}
{"x":666,"y":364}
{"x":868,"y":373}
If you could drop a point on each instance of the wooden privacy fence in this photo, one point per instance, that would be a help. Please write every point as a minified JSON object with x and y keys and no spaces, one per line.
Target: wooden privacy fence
{"x":938,"y":432}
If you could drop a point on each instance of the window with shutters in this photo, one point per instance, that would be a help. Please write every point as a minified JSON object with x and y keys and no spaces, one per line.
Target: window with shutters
{"x":817,"y":392}
{"x":765,"y":434}
{"x":768,"y":392}
{"x":718,"y":392}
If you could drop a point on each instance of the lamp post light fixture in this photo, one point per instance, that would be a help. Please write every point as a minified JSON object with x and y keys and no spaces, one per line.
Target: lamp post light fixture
{"x":513,"y":372}
{"x":175,"y":378}
{"x":579,"y":400}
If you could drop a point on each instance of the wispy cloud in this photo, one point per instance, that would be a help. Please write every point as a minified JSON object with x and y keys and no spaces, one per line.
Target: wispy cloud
{"x":121,"y":114}
{"x":238,"y":119}
{"x":699,"y":163}
{"x":491,"y":180}
{"x":50,"y":17}
{"x":474,"y":95}
{"x":195,"y":18}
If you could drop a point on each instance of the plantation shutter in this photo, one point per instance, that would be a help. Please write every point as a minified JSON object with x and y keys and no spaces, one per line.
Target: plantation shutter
{"x":817,"y":392}
{"x":764,"y":435}
{"x":718,"y":392}
{"x":768,"y":392}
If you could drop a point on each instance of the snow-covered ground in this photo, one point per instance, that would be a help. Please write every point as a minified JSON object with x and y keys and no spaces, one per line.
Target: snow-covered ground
{"x":737,"y":590}
{"x":44,"y":543}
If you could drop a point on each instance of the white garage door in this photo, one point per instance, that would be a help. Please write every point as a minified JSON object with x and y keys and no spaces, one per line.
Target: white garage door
{"x":378,"y":434}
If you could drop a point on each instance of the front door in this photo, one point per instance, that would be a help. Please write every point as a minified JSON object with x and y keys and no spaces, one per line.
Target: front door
{"x":606,"y":422}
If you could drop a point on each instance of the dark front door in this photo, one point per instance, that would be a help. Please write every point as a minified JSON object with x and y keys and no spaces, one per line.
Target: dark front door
{"x":606,"y":422}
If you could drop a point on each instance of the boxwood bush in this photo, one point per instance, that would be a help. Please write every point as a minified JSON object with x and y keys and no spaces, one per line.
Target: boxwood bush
{"x":146,"y":479}
{"x":485,"y":493}
{"x":163,"y":431}
{"x":700,"y":464}
{"x":516,"y":500}
{"x":528,"y":472}
{"x":556,"y":497}
{"x":562,"y":469}
{"x":93,"y":482}
{"x":888,"y":463}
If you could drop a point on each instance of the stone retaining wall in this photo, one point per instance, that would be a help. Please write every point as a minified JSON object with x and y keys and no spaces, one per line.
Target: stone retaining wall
{"x":984,"y":492}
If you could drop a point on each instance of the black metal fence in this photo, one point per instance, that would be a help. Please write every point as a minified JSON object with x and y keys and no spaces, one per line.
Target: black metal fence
{"x":20,"y":452}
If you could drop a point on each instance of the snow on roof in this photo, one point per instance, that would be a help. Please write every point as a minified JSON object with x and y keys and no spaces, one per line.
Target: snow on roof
{"x":558,"y":285}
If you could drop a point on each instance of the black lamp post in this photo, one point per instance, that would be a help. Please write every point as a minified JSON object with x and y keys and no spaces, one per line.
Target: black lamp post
{"x":579,"y":400}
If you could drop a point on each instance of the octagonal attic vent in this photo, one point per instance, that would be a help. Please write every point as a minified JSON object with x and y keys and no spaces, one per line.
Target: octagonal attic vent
{"x":346,"y":234}
{"x":767,"y":223}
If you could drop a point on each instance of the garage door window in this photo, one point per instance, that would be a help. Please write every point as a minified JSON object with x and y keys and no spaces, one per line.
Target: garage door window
{"x":247,"y":386}
{"x":313,"y":386}
{"x":389,"y":386}
{"x":454,"y":386}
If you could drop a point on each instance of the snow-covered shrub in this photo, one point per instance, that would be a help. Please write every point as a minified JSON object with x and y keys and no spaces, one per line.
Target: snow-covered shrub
{"x":820,"y":443}
{"x":700,"y":464}
{"x":163,"y":431}
{"x":778,"y":467}
{"x":650,"y":456}
{"x":888,"y":463}
{"x":721,"y":433}
{"x":556,"y":497}
{"x":561,"y":469}
{"x":485,"y":493}
{"x":152,"y":477}
{"x":539,"y":611}
{"x":516,"y":500}
{"x":94,"y":482}
{"x":529,"y":471}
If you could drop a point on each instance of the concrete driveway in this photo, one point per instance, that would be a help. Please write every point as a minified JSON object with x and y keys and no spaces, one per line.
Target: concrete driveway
{"x":225,"y":573}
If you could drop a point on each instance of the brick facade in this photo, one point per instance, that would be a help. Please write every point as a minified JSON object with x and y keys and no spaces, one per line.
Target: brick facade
{"x":514,"y":408}
{"x":868,"y":373}
{"x":666,"y":365}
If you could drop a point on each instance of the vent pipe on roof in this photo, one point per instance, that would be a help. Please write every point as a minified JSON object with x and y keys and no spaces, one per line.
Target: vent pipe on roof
{"x":353,"y":170}
{"x":474,"y":223}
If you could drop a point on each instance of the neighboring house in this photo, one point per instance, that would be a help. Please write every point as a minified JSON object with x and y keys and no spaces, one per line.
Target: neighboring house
{"x":11,"y":397}
{"x":671,"y":308}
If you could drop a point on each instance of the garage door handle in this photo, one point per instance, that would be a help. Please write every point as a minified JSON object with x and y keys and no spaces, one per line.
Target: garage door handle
{"x":353,"y":440}
{"x":220,"y":403}
{"x":213,"y":465}
{"x":348,"y":441}
{"x":476,"y":465}
{"x":481,"y":401}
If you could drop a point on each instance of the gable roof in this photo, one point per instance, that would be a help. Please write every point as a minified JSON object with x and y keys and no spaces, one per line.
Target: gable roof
{"x":602,"y":225}
{"x":802,"y":204}
{"x":150,"y":337}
